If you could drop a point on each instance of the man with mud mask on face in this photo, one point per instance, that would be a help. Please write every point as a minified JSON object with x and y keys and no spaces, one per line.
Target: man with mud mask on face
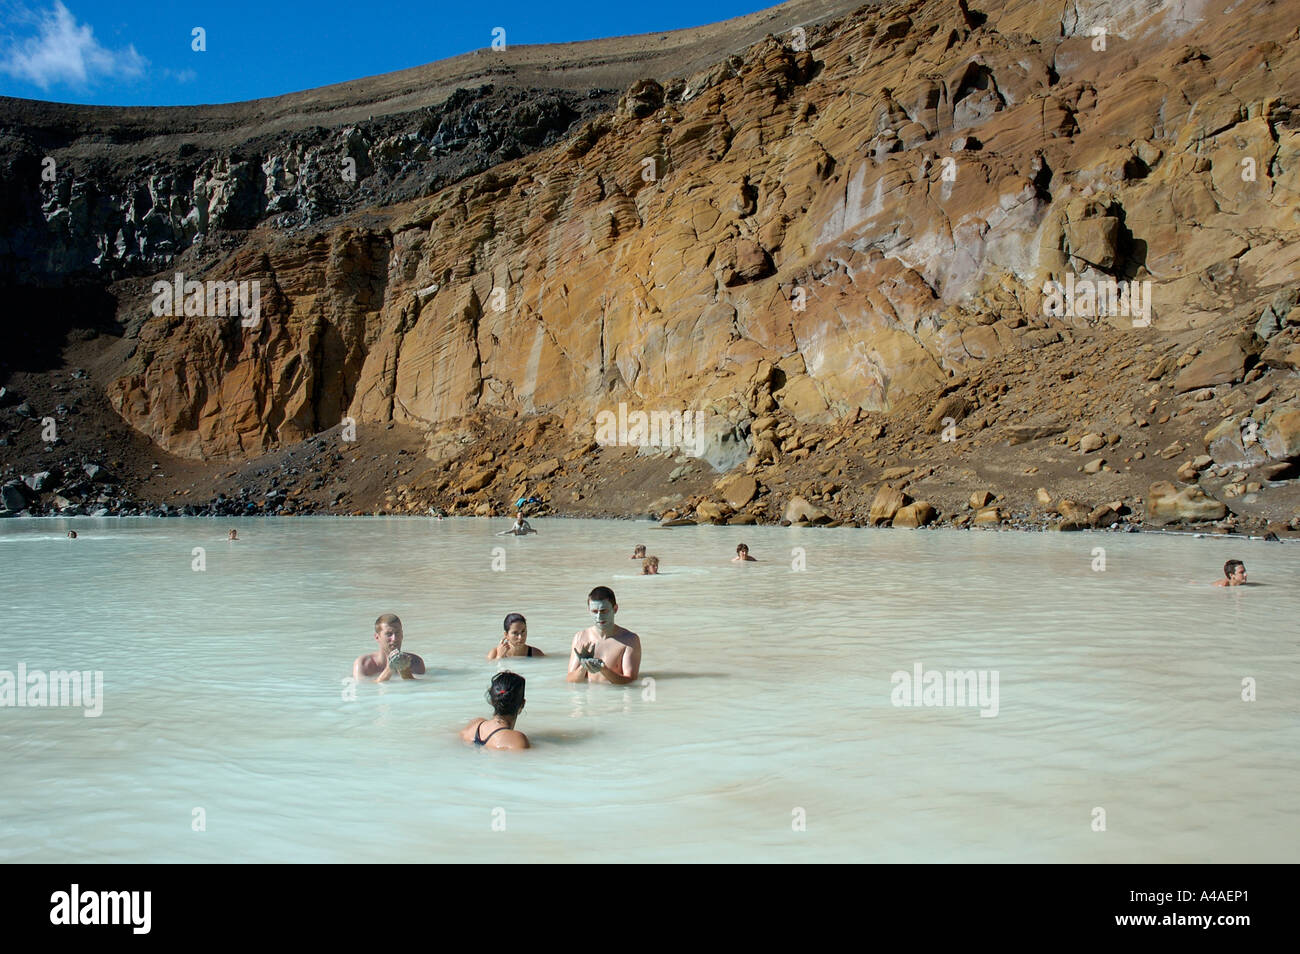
{"x":604,"y":652}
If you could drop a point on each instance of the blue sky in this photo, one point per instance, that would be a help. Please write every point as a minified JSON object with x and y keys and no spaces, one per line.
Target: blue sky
{"x":140,"y":52}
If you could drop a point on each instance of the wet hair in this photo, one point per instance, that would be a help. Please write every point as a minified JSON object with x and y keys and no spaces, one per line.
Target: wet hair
{"x":506,"y":694}
{"x":638,"y":550}
{"x":512,"y":619}
{"x":742,"y":546}
{"x":388,"y":618}
{"x":1230,"y":567}
{"x":602,"y":593}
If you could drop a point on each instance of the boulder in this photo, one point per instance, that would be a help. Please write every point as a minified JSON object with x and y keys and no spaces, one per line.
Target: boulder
{"x":1282,"y":352}
{"x":1091,"y":442}
{"x":1223,"y":445}
{"x":1268,"y":324}
{"x":886,"y":505}
{"x":13,"y":495}
{"x":40,"y":482}
{"x":1167,"y":504}
{"x":710,"y":511}
{"x":1222,"y":364}
{"x":987,"y":517}
{"x":477,"y":481}
{"x":740,"y":491}
{"x":1280,"y":435}
{"x":1023,"y":433}
{"x":799,"y":510}
{"x":953,"y":406}
{"x":1103,"y":516}
{"x":1073,"y":510}
{"x":544,"y":469}
{"x":980,"y":498}
{"x":914,"y":515}
{"x":1043,"y":496}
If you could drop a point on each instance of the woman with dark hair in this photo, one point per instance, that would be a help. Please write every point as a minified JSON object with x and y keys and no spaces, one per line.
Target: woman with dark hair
{"x":506,"y":694}
{"x":515,"y":641}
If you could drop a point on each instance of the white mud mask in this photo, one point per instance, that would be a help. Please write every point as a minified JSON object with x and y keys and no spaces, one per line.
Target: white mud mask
{"x":602,"y":612}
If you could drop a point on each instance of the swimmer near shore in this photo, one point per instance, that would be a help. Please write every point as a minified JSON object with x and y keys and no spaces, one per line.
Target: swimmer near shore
{"x":604,"y":652}
{"x":1234,"y":572}
{"x":650,"y":566}
{"x":515,"y":640}
{"x":506,"y":695}
{"x":742,"y":554}
{"x":389,"y":658}
{"x":520,"y":528}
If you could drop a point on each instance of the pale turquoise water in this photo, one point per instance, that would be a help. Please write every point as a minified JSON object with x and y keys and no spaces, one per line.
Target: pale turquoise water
{"x":223,"y":691}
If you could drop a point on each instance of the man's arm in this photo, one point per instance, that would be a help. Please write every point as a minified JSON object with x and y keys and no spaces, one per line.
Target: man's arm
{"x":629,"y":662}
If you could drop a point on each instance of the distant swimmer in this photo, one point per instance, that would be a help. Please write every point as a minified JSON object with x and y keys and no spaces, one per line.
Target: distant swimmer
{"x":1235,"y":573}
{"x":650,"y":566}
{"x":638,"y":552}
{"x":232,"y":535}
{"x":520,"y":528}
{"x":506,"y":694}
{"x":389,"y":657}
{"x":72,"y":534}
{"x":604,"y":652}
{"x":742,"y":555}
{"x":515,"y":641}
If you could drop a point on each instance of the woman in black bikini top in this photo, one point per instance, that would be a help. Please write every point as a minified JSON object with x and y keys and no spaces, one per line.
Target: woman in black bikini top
{"x":515,"y":640}
{"x":507,"y":697}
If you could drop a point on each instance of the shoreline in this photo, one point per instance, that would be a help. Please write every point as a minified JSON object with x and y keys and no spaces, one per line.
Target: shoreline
{"x":655,"y":525}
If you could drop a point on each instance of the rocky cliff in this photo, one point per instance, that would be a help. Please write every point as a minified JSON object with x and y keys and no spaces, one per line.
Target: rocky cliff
{"x":885,"y":232}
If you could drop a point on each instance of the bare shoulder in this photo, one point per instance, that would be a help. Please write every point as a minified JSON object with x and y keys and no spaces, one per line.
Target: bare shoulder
{"x":467,"y":733}
{"x":365,"y":665}
{"x":509,"y":739}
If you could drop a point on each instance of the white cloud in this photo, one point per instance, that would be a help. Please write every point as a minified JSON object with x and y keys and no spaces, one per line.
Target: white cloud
{"x":65,"y":51}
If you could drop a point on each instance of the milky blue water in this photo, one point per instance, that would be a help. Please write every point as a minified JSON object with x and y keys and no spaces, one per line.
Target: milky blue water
{"x":763,"y":729}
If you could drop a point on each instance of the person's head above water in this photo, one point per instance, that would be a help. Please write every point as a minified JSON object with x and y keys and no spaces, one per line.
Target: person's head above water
{"x":506,"y":694}
{"x":516,"y":628}
{"x":638,"y":552}
{"x":602,"y":605}
{"x":232,"y":535}
{"x":742,"y":548}
{"x":1235,"y":571}
{"x":650,"y":566}
{"x":388,"y":632}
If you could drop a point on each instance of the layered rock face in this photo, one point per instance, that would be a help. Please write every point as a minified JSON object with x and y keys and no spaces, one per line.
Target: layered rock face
{"x":120,"y":217}
{"x":835,"y":220}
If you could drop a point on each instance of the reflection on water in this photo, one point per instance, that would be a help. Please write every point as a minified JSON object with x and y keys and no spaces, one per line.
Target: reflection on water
{"x":765,"y":695}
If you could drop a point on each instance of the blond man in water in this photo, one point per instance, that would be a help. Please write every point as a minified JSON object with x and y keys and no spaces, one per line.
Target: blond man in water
{"x":604,"y":652}
{"x":388,"y":659}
